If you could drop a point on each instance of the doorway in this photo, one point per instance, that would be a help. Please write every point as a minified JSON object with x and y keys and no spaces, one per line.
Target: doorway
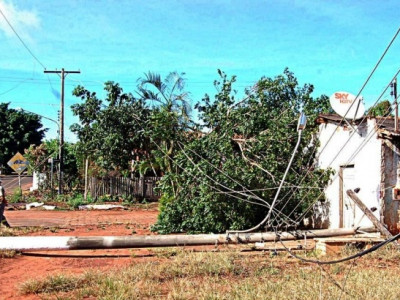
{"x":347,"y":207}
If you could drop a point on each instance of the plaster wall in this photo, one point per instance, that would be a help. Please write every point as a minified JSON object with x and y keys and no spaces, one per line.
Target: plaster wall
{"x":390,"y":207}
{"x":340,"y":147}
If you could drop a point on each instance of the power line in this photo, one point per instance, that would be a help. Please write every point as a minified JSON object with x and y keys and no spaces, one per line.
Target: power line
{"x":340,"y":150}
{"x":23,"y":43}
{"x":331,"y":262}
{"x":33,"y":103}
{"x":14,"y":87}
{"x":356,"y":151}
{"x":63,"y":73}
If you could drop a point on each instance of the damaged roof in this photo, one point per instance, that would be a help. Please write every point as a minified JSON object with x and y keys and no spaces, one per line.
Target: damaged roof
{"x":385,"y":125}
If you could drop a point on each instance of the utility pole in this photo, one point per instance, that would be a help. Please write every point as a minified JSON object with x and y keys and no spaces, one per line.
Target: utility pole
{"x":61,"y":146}
{"x":393,"y":85}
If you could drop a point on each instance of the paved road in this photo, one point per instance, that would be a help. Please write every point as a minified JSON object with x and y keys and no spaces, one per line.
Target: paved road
{"x":10,"y":182}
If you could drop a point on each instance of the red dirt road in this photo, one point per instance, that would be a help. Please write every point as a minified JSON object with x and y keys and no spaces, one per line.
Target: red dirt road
{"x":66,"y":219}
{"x":35,"y":265}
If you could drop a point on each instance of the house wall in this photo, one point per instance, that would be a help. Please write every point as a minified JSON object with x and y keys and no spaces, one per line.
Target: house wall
{"x":390,"y":207}
{"x":340,"y":147}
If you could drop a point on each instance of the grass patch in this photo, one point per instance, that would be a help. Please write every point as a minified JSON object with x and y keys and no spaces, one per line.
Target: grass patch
{"x":52,"y":284}
{"x":16,"y":231}
{"x":7,"y":253}
{"x":179,"y":274}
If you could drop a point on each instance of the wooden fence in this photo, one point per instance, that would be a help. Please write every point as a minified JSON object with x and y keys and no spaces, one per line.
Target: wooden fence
{"x":142,"y":187}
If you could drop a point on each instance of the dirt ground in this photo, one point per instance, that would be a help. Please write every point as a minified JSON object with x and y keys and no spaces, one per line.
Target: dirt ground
{"x":32,"y":265}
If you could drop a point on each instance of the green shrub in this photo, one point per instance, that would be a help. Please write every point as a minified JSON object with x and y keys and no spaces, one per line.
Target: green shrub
{"x":77,"y":200}
{"x":16,"y":196}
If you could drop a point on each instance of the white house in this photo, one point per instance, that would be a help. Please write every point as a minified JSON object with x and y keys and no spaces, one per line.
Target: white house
{"x":365,"y":157}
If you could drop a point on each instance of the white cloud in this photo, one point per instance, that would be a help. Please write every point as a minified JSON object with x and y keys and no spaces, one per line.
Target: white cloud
{"x":21,"y":20}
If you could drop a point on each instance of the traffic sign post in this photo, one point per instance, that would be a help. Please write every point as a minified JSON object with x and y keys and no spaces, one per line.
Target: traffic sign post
{"x":18,"y":163}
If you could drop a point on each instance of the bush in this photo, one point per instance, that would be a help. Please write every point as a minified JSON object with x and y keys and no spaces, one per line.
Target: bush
{"x":77,"y":200}
{"x":16,"y":196}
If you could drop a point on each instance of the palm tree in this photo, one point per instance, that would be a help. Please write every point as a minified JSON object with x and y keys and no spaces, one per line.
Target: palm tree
{"x":171,"y":116}
{"x":169,"y":93}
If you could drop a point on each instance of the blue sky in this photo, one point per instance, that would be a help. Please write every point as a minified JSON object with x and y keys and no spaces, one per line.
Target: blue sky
{"x":332,"y":44}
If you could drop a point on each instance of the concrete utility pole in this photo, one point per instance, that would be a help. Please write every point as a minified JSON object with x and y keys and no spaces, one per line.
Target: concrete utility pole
{"x":61,"y":146}
{"x":40,"y":243}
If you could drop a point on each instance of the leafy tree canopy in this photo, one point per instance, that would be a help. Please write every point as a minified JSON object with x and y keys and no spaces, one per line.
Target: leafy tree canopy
{"x":120,"y":132}
{"x":18,"y":130}
{"x":110,"y":130}
{"x":170,"y":120}
{"x":219,"y":179}
{"x":38,"y":157}
{"x":382,"y":109}
{"x":223,"y":176}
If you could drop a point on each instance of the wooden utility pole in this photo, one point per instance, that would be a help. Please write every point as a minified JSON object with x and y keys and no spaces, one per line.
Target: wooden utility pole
{"x":369,"y":214}
{"x":86,"y":177}
{"x":61,"y":146}
{"x":396,"y":105}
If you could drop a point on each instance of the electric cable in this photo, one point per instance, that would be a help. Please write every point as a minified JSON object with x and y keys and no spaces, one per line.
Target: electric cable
{"x":356,"y":151}
{"x":20,"y":39}
{"x":365,"y":83}
{"x":341,"y":149}
{"x":254,"y":196}
{"x":258,"y":198}
{"x":363,"y":86}
{"x":276,"y":195}
{"x":350,"y":137}
{"x":14,"y":87}
{"x":331,"y":262}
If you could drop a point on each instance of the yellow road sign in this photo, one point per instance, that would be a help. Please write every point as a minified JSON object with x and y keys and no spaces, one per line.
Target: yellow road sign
{"x":18,"y":163}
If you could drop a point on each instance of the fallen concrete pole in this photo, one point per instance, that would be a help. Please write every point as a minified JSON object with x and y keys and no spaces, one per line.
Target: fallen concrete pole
{"x":39,"y":243}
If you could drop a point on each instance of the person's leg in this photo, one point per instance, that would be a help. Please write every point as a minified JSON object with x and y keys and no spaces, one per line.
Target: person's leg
{"x":2,"y":217}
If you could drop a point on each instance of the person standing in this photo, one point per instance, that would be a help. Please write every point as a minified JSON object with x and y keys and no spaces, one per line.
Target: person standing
{"x":3,"y":203}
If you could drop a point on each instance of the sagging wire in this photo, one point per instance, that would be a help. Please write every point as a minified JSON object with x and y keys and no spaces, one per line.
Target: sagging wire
{"x":364,"y":85}
{"x":359,"y":93}
{"x":14,"y":87}
{"x":356,"y":151}
{"x":254,"y":196}
{"x":287,"y":186}
{"x":331,"y":262}
{"x":212,"y":187}
{"x":225,"y":187}
{"x":300,"y":127}
{"x":21,"y":40}
{"x":350,"y":137}
{"x":340,"y":150}
{"x":346,"y":277}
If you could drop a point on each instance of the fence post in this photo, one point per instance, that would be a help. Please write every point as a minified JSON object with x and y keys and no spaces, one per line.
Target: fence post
{"x":143,"y":188}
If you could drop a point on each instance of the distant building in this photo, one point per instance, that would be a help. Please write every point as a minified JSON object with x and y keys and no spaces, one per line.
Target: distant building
{"x":364,"y":157}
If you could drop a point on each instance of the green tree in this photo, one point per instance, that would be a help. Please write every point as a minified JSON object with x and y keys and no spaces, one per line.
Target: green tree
{"x":38,"y":157}
{"x":18,"y":130}
{"x":382,"y":109}
{"x":169,"y":93}
{"x":110,"y":131}
{"x":169,"y":123}
{"x":221,"y":179}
